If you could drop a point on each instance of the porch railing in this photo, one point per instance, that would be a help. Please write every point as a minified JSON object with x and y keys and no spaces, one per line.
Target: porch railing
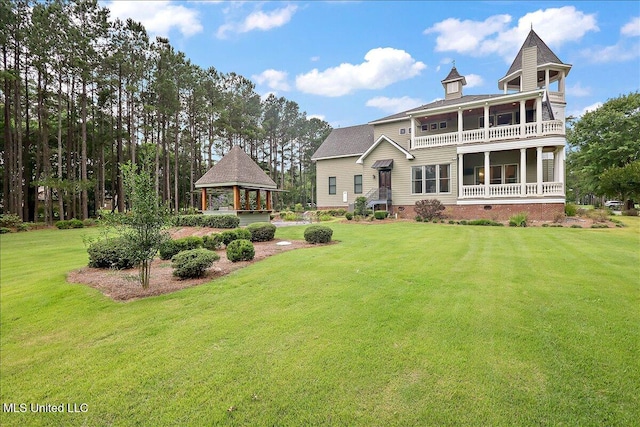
{"x":497,"y":133}
{"x":511,"y":190}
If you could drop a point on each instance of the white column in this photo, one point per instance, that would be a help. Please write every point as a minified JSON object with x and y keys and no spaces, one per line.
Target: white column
{"x":460,"y":174}
{"x":486,"y":173}
{"x":539,"y":115}
{"x":539,"y":170}
{"x":546,"y":79}
{"x":523,"y":172}
{"x":523,"y":118}
{"x":413,"y":131}
{"x":486,"y":122}
{"x":561,"y":165}
{"x":460,"y":125}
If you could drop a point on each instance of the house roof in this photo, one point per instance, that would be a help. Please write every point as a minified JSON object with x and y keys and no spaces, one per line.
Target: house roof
{"x":345,"y":142}
{"x":236,"y":168}
{"x":545,"y":55}
{"x":453,"y":76}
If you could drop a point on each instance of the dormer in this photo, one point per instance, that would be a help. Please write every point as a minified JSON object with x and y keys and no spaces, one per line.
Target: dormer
{"x":453,"y":84}
{"x":536,"y":67}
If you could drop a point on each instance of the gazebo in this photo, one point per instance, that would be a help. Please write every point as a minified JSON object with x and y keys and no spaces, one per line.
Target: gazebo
{"x":236,"y":171}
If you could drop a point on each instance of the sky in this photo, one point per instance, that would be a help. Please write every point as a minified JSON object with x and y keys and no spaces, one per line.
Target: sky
{"x":353,"y":62}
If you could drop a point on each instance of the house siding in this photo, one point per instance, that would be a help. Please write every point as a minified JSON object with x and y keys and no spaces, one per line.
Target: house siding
{"x":343,"y":169}
{"x":392,"y":131}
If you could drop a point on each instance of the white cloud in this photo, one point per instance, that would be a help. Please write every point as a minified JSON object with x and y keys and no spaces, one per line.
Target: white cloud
{"x":618,"y":52}
{"x":394,"y":105}
{"x":473,"y":80}
{"x":259,"y":20}
{"x":382,"y":67}
{"x":274,"y":79}
{"x":495,"y":35}
{"x":316,"y":116}
{"x":580,"y":113}
{"x":578,"y":90}
{"x":158,"y":17}
{"x":631,"y":28}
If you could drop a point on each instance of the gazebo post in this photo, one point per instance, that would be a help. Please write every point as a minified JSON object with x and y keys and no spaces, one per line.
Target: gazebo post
{"x":203,"y":199}
{"x":258,"y":204}
{"x":246,"y":199}
{"x":236,"y":198}
{"x":268,"y":200}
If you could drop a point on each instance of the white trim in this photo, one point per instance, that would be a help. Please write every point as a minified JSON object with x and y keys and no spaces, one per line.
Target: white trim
{"x":536,"y":201}
{"x":343,"y":156}
{"x":407,"y":154}
{"x":512,"y":145}
{"x":236,"y":183}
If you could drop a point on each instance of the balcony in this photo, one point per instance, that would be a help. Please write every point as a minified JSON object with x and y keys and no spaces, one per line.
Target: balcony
{"x":512,"y":190}
{"x":492,"y":134}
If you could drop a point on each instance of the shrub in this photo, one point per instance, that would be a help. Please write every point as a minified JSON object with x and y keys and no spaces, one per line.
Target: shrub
{"x":89,"y":222}
{"x":5,"y":230}
{"x":630,"y":212}
{"x":290,"y":216}
{"x":429,"y":209}
{"x":211,"y":221}
{"x":325,"y":218}
{"x":75,"y":223}
{"x":418,"y":218}
{"x":261,"y":231}
{"x":10,"y":220}
{"x":519,"y":220}
{"x":212,"y":242}
{"x":486,"y":222}
{"x":349,"y":216}
{"x":360,"y":206}
{"x":63,"y":225}
{"x":599,"y":215}
{"x":576,"y":226}
{"x":298,"y":208}
{"x":599,"y":225}
{"x":240,"y":250}
{"x":381,"y":214}
{"x":318,"y":234}
{"x":193,"y":263}
{"x":229,"y":236}
{"x":570,"y":209}
{"x":25,"y":226}
{"x":110,"y":253}
{"x":172,"y":247}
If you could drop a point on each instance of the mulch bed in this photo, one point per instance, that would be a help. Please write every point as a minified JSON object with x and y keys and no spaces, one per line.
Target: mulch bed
{"x":124,"y":285}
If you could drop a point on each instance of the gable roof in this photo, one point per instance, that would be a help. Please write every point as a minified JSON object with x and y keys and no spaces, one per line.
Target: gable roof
{"x":345,"y":142}
{"x":407,"y":154}
{"x":236,"y":168}
{"x":453,"y":76}
{"x":545,"y":55}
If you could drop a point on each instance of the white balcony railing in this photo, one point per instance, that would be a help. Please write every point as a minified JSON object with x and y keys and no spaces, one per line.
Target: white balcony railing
{"x":498,"y":133}
{"x":511,"y":190}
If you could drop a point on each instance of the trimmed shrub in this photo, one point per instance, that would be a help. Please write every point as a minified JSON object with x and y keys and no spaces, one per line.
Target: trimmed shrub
{"x":429,"y":209}
{"x":570,"y":209}
{"x":212,"y":241}
{"x":380,"y":214}
{"x":76,"y":223}
{"x":110,"y":253}
{"x":193,"y":263}
{"x":349,"y":216}
{"x":519,"y":220}
{"x":63,"y":225}
{"x":243,"y":233}
{"x":261,"y":231}
{"x":172,"y":247}
{"x":229,"y":236}
{"x":360,"y":206}
{"x":484,"y":222}
{"x":318,"y":234}
{"x":240,"y":250}
{"x":211,"y":221}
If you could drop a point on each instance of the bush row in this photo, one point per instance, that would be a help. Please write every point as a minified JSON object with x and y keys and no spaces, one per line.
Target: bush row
{"x":211,"y":221}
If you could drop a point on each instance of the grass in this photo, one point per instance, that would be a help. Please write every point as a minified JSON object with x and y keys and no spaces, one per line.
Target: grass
{"x":398,"y":324}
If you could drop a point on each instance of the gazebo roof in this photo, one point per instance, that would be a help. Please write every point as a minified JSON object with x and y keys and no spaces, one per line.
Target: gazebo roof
{"x":236,"y":168}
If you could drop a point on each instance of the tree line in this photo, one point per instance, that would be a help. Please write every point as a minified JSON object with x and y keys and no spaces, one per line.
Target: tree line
{"x":82,"y":95}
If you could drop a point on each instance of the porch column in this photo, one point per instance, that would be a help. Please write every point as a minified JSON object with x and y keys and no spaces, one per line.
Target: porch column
{"x":486,"y":122}
{"x":546,"y":79}
{"x":460,"y":173}
{"x":246,"y":200}
{"x":523,"y":172}
{"x":258,"y":201}
{"x":539,"y":170}
{"x":460,"y":125}
{"x":538,"y":115}
{"x":413,"y":131}
{"x":203,"y":199}
{"x":523,"y":119}
{"x":561,"y":165}
{"x":236,"y":198}
{"x":486,"y":174}
{"x":268,"y":200}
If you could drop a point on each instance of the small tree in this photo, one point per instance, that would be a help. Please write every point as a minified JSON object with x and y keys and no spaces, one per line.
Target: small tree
{"x":429,"y":209}
{"x":147,"y":219}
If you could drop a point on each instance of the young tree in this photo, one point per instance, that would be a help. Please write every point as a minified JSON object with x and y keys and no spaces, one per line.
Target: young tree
{"x":144,"y":226}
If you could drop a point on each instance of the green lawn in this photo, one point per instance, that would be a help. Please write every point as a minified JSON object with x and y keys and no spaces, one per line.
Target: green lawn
{"x":406,"y":324}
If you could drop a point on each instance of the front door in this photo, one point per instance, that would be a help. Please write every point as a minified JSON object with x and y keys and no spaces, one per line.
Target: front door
{"x":384,"y":183}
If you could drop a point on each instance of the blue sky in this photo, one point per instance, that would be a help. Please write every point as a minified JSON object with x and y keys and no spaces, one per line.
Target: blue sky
{"x":353,"y":62}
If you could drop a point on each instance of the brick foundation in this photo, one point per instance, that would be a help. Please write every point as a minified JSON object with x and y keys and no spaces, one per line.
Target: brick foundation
{"x":537,"y":212}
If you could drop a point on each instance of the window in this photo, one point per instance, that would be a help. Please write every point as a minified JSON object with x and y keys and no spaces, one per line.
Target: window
{"x":496,"y":174}
{"x":481,"y":121}
{"x":505,"y":119}
{"x":499,"y":174}
{"x":332,"y":185}
{"x":452,"y":87}
{"x":357,"y":184}
{"x":511,"y":174}
{"x":403,"y":131}
{"x":424,"y":128}
{"x":431,"y":179}
{"x":443,"y":125}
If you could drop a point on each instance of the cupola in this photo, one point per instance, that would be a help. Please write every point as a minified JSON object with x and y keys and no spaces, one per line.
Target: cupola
{"x":453,"y":84}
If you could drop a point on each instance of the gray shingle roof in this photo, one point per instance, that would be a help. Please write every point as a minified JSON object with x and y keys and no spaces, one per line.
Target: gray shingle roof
{"x":453,"y":76}
{"x":343,"y":142}
{"x":236,"y":168}
{"x":545,"y":55}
